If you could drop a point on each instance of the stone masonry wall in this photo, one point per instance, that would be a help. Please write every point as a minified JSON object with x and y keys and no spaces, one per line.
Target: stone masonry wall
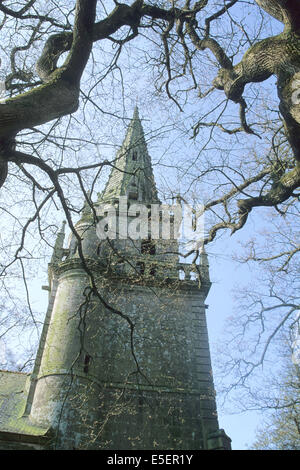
{"x":103,"y":385}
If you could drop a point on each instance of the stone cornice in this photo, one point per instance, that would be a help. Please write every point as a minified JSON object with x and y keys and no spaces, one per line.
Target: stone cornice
{"x":110,"y":274}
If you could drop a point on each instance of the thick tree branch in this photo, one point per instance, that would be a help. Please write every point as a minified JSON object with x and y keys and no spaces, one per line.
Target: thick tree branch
{"x":56,"y":98}
{"x":281,"y":191}
{"x":286,"y":11}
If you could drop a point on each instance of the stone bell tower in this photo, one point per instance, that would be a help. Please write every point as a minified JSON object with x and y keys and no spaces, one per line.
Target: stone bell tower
{"x":124,"y":358}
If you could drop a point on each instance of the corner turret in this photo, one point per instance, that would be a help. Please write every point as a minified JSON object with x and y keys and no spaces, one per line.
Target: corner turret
{"x":58,"y":250}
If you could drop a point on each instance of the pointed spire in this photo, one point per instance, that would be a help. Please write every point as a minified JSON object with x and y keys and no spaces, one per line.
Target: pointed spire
{"x":132,"y":175}
{"x":136,"y":113}
{"x":58,"y":249}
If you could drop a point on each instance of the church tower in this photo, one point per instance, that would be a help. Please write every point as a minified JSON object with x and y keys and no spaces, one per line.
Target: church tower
{"x":124,"y":361}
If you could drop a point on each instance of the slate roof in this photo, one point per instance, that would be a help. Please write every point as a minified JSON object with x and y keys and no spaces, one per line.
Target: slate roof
{"x":13,"y":395}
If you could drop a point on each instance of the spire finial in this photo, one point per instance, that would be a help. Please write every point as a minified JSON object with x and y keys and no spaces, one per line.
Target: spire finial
{"x":136,"y":112}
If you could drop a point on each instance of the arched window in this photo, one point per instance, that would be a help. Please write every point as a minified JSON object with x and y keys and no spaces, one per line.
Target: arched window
{"x":181,"y":274}
{"x":132,"y":191}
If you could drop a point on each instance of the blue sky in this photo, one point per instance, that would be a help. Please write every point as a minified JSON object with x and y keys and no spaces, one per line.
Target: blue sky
{"x":225,"y":275}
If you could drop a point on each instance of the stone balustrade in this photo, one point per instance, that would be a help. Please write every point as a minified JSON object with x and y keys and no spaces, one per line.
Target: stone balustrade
{"x":147,"y":266}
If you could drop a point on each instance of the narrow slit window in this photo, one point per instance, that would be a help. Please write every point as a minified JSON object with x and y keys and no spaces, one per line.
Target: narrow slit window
{"x":152,"y":271}
{"x":87,"y":360}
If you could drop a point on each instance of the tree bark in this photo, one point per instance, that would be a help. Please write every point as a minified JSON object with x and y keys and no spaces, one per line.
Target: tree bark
{"x":59,"y":96}
{"x":286,"y":11}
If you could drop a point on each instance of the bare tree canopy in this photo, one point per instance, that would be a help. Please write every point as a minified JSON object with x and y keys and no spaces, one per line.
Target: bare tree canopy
{"x":183,"y":32}
{"x":281,"y":405}
{"x":219,"y":80}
